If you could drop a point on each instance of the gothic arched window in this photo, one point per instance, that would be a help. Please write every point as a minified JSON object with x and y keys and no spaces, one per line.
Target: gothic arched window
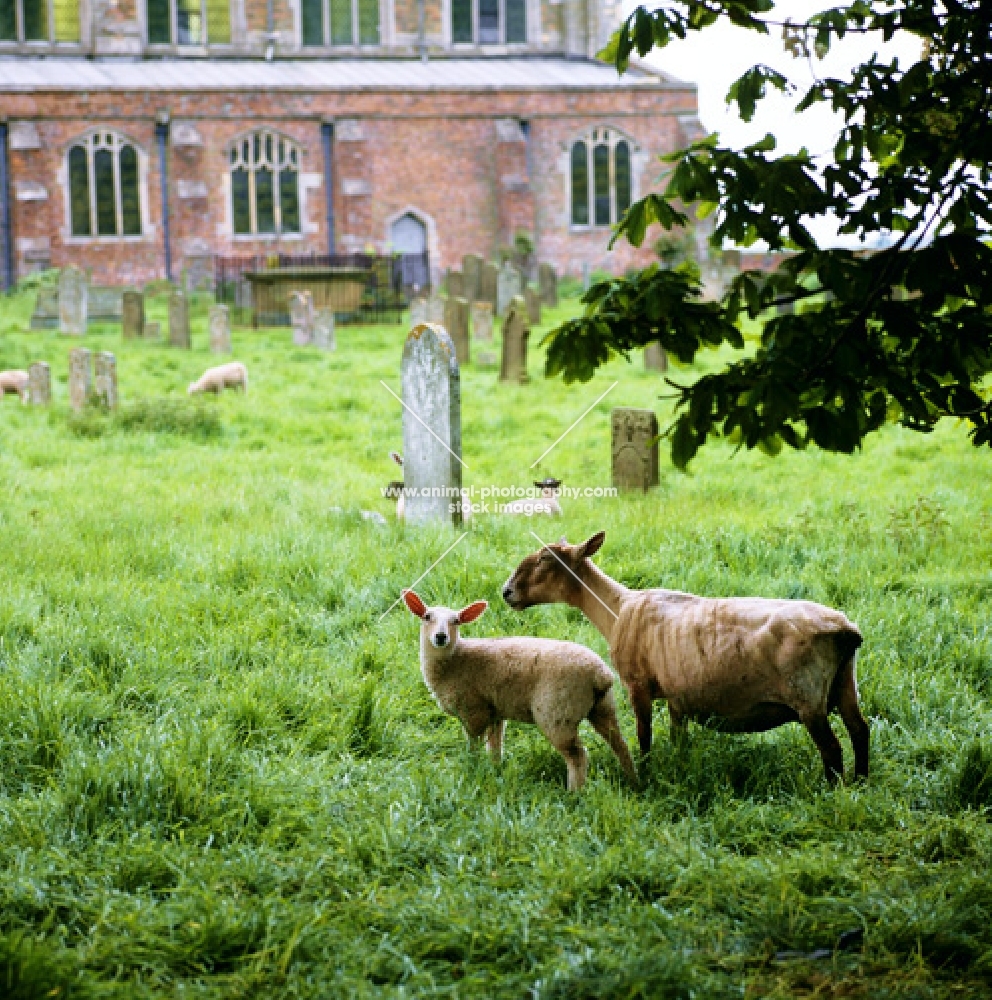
{"x":601,"y":179}
{"x":265,"y":185}
{"x":104,"y":186}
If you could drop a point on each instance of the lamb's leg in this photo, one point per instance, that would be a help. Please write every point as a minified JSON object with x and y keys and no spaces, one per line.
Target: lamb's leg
{"x":640,"y":702}
{"x":576,"y":759}
{"x":494,"y":740}
{"x":603,"y":719}
{"x":850,"y":712}
{"x":818,"y":726}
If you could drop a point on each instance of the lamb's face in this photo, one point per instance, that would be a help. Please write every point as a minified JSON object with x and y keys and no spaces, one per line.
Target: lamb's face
{"x":439,"y":625}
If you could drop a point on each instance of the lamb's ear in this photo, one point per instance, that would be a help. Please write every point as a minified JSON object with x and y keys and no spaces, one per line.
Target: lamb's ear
{"x":397,"y":458}
{"x":472,"y":612}
{"x":590,"y":546}
{"x":414,"y":603}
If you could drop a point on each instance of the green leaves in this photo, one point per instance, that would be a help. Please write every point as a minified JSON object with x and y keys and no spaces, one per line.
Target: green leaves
{"x":748,"y":89}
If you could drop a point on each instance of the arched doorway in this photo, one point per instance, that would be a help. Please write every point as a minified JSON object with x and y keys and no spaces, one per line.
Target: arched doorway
{"x":408,"y":236}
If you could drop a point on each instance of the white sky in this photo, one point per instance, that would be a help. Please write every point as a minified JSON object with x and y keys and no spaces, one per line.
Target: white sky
{"x":716,"y":56}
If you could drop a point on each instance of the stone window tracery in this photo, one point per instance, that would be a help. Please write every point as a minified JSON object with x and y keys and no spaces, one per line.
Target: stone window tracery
{"x":104,"y":186}
{"x":265,"y":179}
{"x":189,"y":22}
{"x":488,"y":22}
{"x":326,"y":23}
{"x":600,"y":178}
{"x":51,"y":21}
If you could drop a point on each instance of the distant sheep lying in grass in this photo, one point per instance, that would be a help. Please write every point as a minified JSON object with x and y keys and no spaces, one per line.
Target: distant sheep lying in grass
{"x":15,"y":381}
{"x":551,"y":684}
{"x":547,"y":503}
{"x":229,"y":376}
{"x":742,"y":665}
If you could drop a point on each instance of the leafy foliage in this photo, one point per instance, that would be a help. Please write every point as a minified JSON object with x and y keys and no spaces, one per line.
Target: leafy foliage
{"x":902,"y":333}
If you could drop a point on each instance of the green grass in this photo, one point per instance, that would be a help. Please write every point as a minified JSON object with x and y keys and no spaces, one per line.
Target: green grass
{"x":221,"y":774}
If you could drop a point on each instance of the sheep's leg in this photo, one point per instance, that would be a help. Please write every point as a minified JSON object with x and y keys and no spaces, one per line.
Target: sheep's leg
{"x":850,"y":712}
{"x":494,"y":740}
{"x":576,"y":759}
{"x":818,"y":727}
{"x":640,"y":701}
{"x":603,"y":718}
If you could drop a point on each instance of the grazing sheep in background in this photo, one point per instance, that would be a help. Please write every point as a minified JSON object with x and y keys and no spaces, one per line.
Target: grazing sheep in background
{"x":743,"y":665}
{"x":546,"y":504}
{"x":14,"y":381}
{"x":551,"y":684}
{"x":228,"y":376}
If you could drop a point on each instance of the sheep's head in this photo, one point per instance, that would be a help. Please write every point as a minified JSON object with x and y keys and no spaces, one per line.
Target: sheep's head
{"x":440,"y":625}
{"x":192,"y":388}
{"x":552,"y":575}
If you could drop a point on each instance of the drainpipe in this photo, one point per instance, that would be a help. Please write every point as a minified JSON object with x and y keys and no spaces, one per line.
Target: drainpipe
{"x":162,"y":135}
{"x":6,"y":229}
{"x":327,"y":141}
{"x":422,"y":30}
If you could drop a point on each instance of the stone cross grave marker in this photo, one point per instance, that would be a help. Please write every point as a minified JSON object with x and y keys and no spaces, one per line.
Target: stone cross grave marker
{"x":179,"y":335}
{"x":40,"y":383}
{"x":323,"y":330}
{"x":73,"y":301}
{"x":80,"y":376}
{"x":456,"y":323}
{"x":105,"y":379}
{"x":456,"y":285}
{"x":634,"y":449}
{"x":432,"y":440}
{"x":133,"y":315}
{"x":547,"y":281}
{"x":219,"y":324}
{"x":533,"y":299}
{"x":508,"y":285}
{"x":482,"y":320}
{"x":472,"y":270}
{"x":488,"y":279}
{"x":516,"y":330}
{"x":655,"y":358}
{"x":301,"y":317}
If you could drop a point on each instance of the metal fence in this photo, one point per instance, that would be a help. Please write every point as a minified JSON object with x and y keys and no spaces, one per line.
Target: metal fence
{"x":358,"y":287}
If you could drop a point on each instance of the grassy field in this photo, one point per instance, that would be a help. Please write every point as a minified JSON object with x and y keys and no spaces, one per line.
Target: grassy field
{"x":221,"y":774}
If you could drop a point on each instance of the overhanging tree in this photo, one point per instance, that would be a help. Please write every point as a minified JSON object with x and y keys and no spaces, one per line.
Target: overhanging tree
{"x":902,"y":333}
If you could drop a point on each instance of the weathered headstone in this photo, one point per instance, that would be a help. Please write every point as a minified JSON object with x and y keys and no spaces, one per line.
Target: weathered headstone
{"x":455,"y":285}
{"x":80,"y":377}
{"x":104,"y":305}
{"x":323,"y":330}
{"x":219,"y":324}
{"x":516,"y":330}
{"x":435,"y":308}
{"x":40,"y":383}
{"x":418,"y":310}
{"x":105,"y":380}
{"x":432,"y":426}
{"x":472,"y":270}
{"x":655,"y":358}
{"x":533,"y":299}
{"x":153,"y":331}
{"x":482,"y":320}
{"x":486,"y":359}
{"x":301,"y":317}
{"x":73,"y":294}
{"x":46,"y":310}
{"x":488,"y":279}
{"x":586,"y":276}
{"x":508,"y":285}
{"x":547,"y":281}
{"x":635,"y":449}
{"x":179,"y":335}
{"x":133,"y":315}
{"x":456,"y":323}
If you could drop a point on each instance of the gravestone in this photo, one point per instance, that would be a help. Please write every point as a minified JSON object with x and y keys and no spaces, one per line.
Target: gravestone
{"x":153,"y":331}
{"x":488,"y":279}
{"x":40,"y":383}
{"x":432,"y":426}
{"x":547,"y":281}
{"x":80,"y":377}
{"x":508,"y":285}
{"x":46,"y":310}
{"x":533,"y":299}
{"x":472,"y":271}
{"x":482,"y":320}
{"x":435,"y":309}
{"x":635,"y":449}
{"x":133,"y":315}
{"x":486,"y":359}
{"x":219,"y":323}
{"x":104,"y":305}
{"x":456,"y":323}
{"x":179,"y":335}
{"x":456,"y":285}
{"x":73,"y":306}
{"x":516,"y":330}
{"x":418,"y":310}
{"x":655,"y":358}
{"x":105,"y":380}
{"x":301,"y":317}
{"x":323,"y":330}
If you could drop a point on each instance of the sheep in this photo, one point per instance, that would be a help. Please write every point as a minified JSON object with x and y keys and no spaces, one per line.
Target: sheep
{"x":484,"y":682}
{"x":231,"y":375}
{"x":15,"y":381}
{"x":546,"y":504}
{"x":737,"y":664}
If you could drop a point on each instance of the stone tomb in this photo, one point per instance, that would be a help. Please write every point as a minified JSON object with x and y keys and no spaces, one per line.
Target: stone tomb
{"x":219,"y":324}
{"x":133,"y":315}
{"x":547,"y":282}
{"x":655,"y":358}
{"x":179,"y":335}
{"x":456,"y":323}
{"x":80,"y":377}
{"x":432,"y":426}
{"x":516,"y":330}
{"x":323,"y":330}
{"x":634,"y":449}
{"x":40,"y":383}
{"x":482,"y":320}
{"x":301,"y":317}
{"x":105,"y":380}
{"x":73,"y":296}
{"x":509,"y":284}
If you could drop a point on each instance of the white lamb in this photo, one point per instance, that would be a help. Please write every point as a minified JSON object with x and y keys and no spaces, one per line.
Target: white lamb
{"x":14,"y":381}
{"x":229,"y":376}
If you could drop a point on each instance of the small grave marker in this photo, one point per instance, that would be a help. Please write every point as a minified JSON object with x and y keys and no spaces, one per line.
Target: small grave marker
{"x":547,"y":281}
{"x":508,"y":285}
{"x":634,"y":449}
{"x":40,"y":383}
{"x":482,"y":320}
{"x":179,"y":335}
{"x":133,"y":315}
{"x":472,"y":270}
{"x":516,"y":330}
{"x":533,"y":299}
{"x":80,"y":377}
{"x":73,"y":301}
{"x":655,"y":358}
{"x":456,"y":323}
{"x":105,"y":380}
{"x":323,"y":330}
{"x":301,"y":317}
